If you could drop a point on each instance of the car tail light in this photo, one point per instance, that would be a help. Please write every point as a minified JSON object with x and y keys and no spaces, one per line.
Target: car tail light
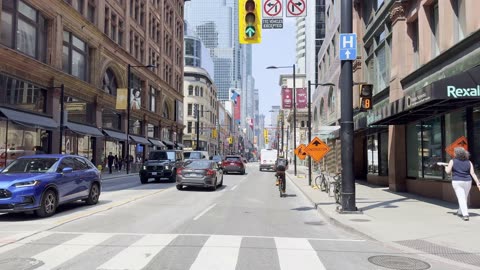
{"x":210,"y":172}
{"x":179,"y":171}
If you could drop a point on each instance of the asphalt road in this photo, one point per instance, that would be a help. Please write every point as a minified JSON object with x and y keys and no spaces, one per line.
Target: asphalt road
{"x":244,"y":225}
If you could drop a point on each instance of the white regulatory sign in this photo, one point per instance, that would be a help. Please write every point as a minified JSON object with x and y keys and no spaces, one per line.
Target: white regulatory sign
{"x":272,"y":9}
{"x":296,"y":8}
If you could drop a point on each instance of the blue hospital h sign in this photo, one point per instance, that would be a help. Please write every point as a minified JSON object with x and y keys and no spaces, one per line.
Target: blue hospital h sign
{"x":348,"y":47}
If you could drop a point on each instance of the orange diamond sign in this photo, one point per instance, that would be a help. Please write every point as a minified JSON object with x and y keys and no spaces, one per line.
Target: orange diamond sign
{"x":460,"y":142}
{"x":300,"y":151}
{"x":317,"y":149}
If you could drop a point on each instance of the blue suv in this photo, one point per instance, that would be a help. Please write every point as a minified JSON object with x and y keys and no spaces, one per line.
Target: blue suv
{"x":40,"y":183}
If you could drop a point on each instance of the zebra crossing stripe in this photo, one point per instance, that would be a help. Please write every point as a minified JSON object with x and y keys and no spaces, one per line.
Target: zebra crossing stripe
{"x":219,"y":252}
{"x":56,"y":256}
{"x":140,"y":253}
{"x":295,"y":253}
{"x":24,"y":241}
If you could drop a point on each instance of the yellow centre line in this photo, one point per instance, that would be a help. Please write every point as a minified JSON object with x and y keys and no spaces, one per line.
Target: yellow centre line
{"x":108,"y":207}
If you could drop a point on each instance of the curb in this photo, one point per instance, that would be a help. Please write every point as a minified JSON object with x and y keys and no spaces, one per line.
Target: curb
{"x":116,"y":176}
{"x":330,"y":218}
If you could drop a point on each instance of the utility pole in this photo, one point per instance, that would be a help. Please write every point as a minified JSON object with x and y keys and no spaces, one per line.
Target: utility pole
{"x":346,"y":122}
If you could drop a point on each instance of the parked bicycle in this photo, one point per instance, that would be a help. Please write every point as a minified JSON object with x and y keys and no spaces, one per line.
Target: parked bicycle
{"x":337,"y":188}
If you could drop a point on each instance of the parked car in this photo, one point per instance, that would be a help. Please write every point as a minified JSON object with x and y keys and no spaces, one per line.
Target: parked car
{"x":233,"y":163}
{"x":218,"y":159}
{"x":196,"y":155}
{"x":200,"y":173}
{"x":161,"y":164}
{"x":40,"y":183}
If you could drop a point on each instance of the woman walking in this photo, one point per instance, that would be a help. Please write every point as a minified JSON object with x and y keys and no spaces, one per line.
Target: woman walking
{"x":462,"y":172}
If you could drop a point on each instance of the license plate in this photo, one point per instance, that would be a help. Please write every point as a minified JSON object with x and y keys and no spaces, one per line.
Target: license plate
{"x":154,"y":173}
{"x":194,"y":175}
{"x":233,"y":164}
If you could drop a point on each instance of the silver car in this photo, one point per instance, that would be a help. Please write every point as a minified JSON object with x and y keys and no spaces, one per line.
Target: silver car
{"x":200,"y":173}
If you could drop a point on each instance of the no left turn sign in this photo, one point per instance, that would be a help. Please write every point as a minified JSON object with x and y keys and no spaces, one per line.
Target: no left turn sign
{"x":296,"y":8}
{"x":272,"y":9}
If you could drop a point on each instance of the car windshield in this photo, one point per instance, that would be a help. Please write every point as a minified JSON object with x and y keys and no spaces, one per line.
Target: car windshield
{"x":197,"y":164}
{"x":192,"y":155}
{"x":161,"y":156}
{"x":31,"y":165}
{"x":217,"y":158}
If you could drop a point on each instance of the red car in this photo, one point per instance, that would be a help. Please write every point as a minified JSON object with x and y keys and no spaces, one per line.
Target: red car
{"x":233,"y":163}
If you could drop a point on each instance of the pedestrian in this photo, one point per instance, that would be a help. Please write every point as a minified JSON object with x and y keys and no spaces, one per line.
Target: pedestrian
{"x":115,"y":159}
{"x":462,"y":172}
{"x":110,"y":160}
{"x":120,"y":163}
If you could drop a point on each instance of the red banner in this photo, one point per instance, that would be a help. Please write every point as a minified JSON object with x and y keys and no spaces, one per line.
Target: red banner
{"x":302,"y":98}
{"x":287,"y":98}
{"x":236,"y":110}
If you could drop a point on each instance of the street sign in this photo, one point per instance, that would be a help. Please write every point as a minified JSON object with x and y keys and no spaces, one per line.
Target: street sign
{"x":272,"y":9}
{"x":296,"y":8}
{"x":460,"y":142}
{"x":317,"y":149}
{"x":272,"y":23}
{"x":300,"y":151}
{"x":348,"y":47}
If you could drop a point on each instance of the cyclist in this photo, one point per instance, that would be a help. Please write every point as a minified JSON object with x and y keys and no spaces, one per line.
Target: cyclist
{"x":281,"y":165}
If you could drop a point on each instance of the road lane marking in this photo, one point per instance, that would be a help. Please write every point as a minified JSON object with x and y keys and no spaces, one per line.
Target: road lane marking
{"x":56,"y":256}
{"x":294,"y":253}
{"x":219,"y":252}
{"x":140,"y":253}
{"x":233,"y":188}
{"x":24,"y":241}
{"x":204,"y":211}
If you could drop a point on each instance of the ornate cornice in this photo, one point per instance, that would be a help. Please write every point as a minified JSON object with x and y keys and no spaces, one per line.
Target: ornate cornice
{"x":398,"y":11}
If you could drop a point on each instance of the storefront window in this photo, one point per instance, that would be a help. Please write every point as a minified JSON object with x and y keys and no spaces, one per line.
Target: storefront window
{"x":77,"y":144}
{"x":111,"y":119}
{"x":78,"y":110}
{"x":136,"y":126}
{"x":372,"y":154}
{"x":476,"y":134}
{"x":115,"y":147}
{"x":414,"y":154}
{"x":20,"y":141}
{"x":383,"y":154}
{"x":432,"y":148}
{"x":455,"y":127}
{"x":23,"y":95}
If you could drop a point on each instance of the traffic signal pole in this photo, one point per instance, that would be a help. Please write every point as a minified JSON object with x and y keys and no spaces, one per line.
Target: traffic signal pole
{"x":346,"y":122}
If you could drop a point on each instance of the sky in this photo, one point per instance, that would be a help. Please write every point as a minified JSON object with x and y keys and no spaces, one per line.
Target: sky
{"x":276,"y":49}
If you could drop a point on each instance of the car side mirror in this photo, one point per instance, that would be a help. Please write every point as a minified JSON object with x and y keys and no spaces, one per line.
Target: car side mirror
{"x":67,"y":170}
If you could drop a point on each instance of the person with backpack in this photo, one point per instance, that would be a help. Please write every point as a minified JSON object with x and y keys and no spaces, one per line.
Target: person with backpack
{"x":281,"y":165}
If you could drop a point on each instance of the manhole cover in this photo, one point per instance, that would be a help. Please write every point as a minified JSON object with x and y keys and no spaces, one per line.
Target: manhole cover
{"x":360,"y":220}
{"x":20,"y":263}
{"x":398,"y":262}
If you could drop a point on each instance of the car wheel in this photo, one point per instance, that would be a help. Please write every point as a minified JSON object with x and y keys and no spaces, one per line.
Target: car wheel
{"x":144,"y":180}
{"x":214,"y":187}
{"x":243,"y":172}
{"x":180,"y":187}
{"x":93,"y":195}
{"x":48,"y":204}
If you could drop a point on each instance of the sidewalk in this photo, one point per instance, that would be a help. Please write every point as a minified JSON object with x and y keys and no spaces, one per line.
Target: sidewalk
{"x":116,"y":174}
{"x":411,"y":222}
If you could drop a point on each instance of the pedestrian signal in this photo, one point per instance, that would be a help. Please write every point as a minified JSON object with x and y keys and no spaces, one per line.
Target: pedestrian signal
{"x":249,"y":21}
{"x":366,"y":97}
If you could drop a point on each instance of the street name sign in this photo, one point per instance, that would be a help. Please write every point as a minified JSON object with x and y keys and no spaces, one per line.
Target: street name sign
{"x":317,"y":149}
{"x":348,"y":47}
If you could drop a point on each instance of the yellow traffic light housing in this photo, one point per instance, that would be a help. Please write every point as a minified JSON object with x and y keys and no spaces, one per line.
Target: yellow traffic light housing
{"x":265,"y":133}
{"x":366,"y":97}
{"x":249,"y":21}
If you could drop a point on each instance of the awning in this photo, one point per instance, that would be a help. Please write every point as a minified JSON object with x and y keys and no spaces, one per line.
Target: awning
{"x":140,"y":140}
{"x":84,"y":129}
{"x":458,"y":91}
{"x":156,"y":142}
{"x":169,"y":143}
{"x":115,"y":135}
{"x":180,"y":145}
{"x":29,"y":119}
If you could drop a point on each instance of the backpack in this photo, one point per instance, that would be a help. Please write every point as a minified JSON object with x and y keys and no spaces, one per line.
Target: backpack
{"x":281,"y":164}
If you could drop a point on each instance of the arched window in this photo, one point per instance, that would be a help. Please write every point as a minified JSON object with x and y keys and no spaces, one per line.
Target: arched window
{"x":110,"y":82}
{"x":322,"y":108}
{"x":315,"y":112}
{"x":166,"y":111}
{"x":331,"y":100}
{"x":190,"y":90}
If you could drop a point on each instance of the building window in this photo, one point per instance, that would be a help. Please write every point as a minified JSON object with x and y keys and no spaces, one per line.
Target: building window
{"x":74,"y":56}
{"x":91,"y":7}
{"x":22,"y":94}
{"x":197,"y":93}
{"x":190,"y":109}
{"x":331,"y":100}
{"x":110,"y":82}
{"x":190,"y":90}
{"x":322,"y":109}
{"x":460,"y":19}
{"x":189,"y":127}
{"x":23,"y":29}
{"x":111,"y":119}
{"x":166,"y":112}
{"x":153,"y":99}
{"x":414,"y":36}
{"x":434,"y":26}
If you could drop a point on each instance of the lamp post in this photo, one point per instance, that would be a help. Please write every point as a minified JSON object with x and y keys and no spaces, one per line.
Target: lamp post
{"x":294,"y":115}
{"x":309,"y":123}
{"x":129,"y":85}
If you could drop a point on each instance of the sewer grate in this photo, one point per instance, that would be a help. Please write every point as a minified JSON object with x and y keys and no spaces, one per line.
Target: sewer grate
{"x":20,"y":263}
{"x":443,"y":251}
{"x":398,"y":262}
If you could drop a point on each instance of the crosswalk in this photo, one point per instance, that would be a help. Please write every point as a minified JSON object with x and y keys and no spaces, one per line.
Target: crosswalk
{"x":112,"y":251}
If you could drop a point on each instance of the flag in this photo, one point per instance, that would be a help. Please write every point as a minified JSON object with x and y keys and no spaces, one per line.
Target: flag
{"x":122,"y":94}
{"x":234,"y":96}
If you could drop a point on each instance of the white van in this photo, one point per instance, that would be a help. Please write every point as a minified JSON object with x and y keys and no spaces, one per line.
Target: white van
{"x":267,"y":159}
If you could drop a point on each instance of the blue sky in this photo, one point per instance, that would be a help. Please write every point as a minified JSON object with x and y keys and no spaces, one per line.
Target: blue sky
{"x":276,"y":49}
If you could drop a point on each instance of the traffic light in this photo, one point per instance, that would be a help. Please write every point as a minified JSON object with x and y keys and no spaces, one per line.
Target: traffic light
{"x":214,"y":133}
{"x":230,"y":140}
{"x":366,"y":99}
{"x":249,"y":21}
{"x":265,"y":133}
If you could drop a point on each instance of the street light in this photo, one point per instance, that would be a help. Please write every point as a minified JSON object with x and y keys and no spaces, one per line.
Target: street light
{"x":294,"y":115}
{"x":309,"y":123}
{"x":129,"y":85}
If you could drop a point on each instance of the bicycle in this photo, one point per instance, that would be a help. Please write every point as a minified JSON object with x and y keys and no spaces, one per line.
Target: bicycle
{"x":281,"y":184}
{"x":337,"y":188}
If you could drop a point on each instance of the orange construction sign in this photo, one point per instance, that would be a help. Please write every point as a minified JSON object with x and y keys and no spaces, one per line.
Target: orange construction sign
{"x":300,"y":151}
{"x":460,"y":142}
{"x":317,"y":149}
